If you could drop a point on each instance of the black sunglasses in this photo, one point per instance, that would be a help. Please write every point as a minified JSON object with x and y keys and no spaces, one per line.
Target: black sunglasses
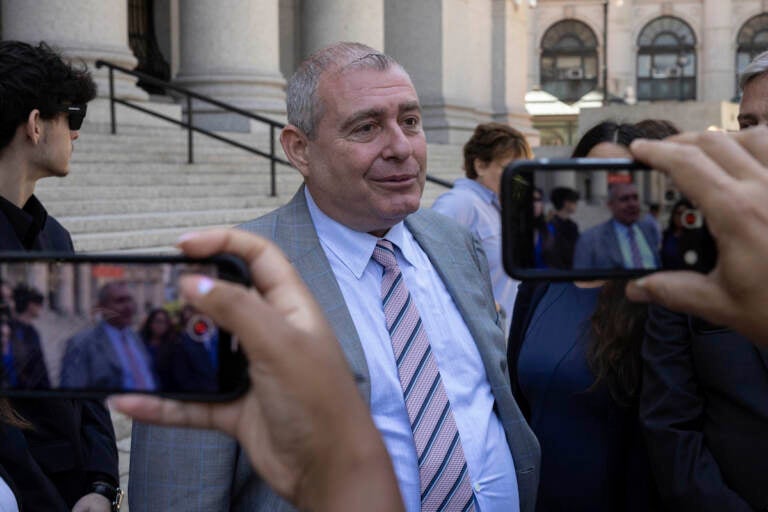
{"x":75,"y":115}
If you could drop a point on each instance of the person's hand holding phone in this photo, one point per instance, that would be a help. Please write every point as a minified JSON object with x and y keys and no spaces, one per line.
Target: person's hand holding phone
{"x":303,"y":423}
{"x":726,"y":176}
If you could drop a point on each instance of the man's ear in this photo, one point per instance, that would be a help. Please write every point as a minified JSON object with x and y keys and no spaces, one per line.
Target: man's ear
{"x":480,"y":166}
{"x":296,"y":146}
{"x":33,"y":128}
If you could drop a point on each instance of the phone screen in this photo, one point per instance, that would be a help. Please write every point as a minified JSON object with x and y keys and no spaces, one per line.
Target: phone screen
{"x":106,"y":326}
{"x":591,"y":218}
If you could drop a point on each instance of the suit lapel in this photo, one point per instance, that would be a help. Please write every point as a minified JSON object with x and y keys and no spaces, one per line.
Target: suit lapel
{"x":610,"y":243}
{"x":455,"y":266}
{"x":297,"y":236}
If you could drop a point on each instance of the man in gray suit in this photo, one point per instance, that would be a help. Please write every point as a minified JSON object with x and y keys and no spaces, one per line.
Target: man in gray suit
{"x":355,"y":134}
{"x":622,"y":241}
{"x":109,"y":355}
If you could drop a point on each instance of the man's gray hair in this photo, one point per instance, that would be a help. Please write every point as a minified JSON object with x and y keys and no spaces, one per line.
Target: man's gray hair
{"x":758,"y":66}
{"x":303,"y":104}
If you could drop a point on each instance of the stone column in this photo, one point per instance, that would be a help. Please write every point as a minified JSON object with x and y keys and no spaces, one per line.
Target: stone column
{"x":622,"y":51}
{"x":81,"y":29}
{"x":324,"y":22}
{"x":509,"y":56}
{"x":445,"y":45}
{"x":230,"y":51}
{"x":717,"y":52}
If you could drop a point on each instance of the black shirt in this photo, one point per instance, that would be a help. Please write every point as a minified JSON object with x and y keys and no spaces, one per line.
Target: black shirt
{"x":72,"y":442}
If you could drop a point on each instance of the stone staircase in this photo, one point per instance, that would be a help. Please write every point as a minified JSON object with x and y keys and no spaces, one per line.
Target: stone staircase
{"x":134,"y":191}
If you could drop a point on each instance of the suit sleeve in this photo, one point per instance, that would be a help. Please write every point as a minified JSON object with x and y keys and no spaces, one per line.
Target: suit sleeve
{"x":73,"y":372}
{"x":671,"y":412}
{"x":99,"y":439}
{"x":582,"y":255}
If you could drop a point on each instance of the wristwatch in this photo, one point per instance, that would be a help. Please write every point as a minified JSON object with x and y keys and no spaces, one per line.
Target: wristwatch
{"x":109,"y":491}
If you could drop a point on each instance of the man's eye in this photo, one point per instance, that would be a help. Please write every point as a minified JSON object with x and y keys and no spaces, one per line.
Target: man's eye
{"x":743,"y":125}
{"x":412,"y":122}
{"x":365,"y":128}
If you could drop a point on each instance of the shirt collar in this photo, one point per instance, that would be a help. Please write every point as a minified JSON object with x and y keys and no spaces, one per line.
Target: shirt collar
{"x":27,"y":222}
{"x":622,"y":228}
{"x":488,"y":195}
{"x":355,"y":248}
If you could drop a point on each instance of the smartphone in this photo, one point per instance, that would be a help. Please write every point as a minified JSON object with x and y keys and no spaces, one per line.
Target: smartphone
{"x":604,"y":229}
{"x":93,"y":325}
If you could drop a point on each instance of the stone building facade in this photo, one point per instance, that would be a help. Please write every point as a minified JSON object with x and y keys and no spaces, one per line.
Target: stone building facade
{"x":657,"y":51}
{"x":466,"y":57}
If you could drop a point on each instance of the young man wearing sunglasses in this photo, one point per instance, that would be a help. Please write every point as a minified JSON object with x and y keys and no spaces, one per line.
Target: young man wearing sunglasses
{"x":66,"y":459}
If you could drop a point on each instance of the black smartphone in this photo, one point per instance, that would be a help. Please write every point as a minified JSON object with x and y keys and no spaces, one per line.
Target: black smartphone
{"x":93,"y":325}
{"x":599,"y":225}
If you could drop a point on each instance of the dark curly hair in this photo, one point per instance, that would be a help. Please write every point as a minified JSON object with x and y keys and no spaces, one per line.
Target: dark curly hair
{"x":36,"y":77}
{"x":491,"y":141}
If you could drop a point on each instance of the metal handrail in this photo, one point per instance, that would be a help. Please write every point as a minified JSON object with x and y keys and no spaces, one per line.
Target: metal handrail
{"x":189,"y":95}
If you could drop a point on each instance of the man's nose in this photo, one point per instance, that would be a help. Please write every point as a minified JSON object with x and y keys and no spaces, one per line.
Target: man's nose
{"x":74,"y":134}
{"x":398,"y":144}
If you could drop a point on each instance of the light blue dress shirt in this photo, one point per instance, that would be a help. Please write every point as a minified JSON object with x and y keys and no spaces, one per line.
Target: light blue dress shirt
{"x":646,"y":254}
{"x":491,"y":468}
{"x":477,"y":207}
{"x":116,"y":338}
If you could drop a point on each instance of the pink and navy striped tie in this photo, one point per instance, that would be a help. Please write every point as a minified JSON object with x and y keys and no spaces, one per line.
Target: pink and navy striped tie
{"x":443,"y":472}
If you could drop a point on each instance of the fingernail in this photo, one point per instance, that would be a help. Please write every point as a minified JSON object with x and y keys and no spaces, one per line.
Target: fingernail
{"x":637,"y":291}
{"x":187,"y":236}
{"x":204,"y":285}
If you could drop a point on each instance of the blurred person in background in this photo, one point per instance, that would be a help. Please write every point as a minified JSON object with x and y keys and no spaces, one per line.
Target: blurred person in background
{"x":704,"y":402}
{"x":564,"y":231}
{"x":67,"y":459}
{"x":575,"y":369}
{"x":474,"y":201}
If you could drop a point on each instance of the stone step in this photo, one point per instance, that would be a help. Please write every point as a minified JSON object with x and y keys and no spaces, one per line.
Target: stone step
{"x":138,"y":221}
{"x":143,"y":205}
{"x":144,"y":238}
{"x":50,"y":196}
{"x":285,"y":181}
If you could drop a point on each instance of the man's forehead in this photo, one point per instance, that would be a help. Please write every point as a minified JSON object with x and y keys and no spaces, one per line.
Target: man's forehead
{"x":756,"y":91}
{"x":361,"y":83}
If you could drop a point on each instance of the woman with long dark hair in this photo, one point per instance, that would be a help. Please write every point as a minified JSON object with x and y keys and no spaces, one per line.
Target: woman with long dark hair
{"x":160,"y":337}
{"x":575,"y":367}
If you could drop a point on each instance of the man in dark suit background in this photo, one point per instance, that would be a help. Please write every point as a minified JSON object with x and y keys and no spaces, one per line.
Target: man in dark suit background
{"x":704,"y":402}
{"x":355,"y":134}
{"x":109,"y":355}
{"x":22,"y":354}
{"x":622,"y":241}
{"x":67,"y":459}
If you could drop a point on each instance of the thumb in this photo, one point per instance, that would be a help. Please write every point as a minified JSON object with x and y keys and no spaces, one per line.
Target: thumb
{"x":685,"y":292}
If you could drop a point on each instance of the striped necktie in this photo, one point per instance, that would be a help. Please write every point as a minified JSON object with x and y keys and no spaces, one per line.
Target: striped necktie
{"x":442,"y":468}
{"x":634,"y":248}
{"x":135,"y":368}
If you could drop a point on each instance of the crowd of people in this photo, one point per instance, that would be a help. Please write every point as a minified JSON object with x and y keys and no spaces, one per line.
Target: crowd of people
{"x":381,"y":374}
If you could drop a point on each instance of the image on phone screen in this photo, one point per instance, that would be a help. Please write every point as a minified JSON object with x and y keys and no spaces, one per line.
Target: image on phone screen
{"x":581,"y":218}
{"x":110,"y":326}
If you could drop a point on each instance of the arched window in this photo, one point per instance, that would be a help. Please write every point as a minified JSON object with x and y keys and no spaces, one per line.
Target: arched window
{"x":569,"y":60}
{"x":752,"y":41}
{"x":666,"y":61}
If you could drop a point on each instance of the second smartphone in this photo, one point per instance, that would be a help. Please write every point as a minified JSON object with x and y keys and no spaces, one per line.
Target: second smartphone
{"x":88,"y":325}
{"x":616,"y":237}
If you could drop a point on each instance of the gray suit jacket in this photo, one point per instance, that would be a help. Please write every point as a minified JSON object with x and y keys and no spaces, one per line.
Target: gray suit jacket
{"x":215,"y":476}
{"x":598,"y":247}
{"x":90,"y":361}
